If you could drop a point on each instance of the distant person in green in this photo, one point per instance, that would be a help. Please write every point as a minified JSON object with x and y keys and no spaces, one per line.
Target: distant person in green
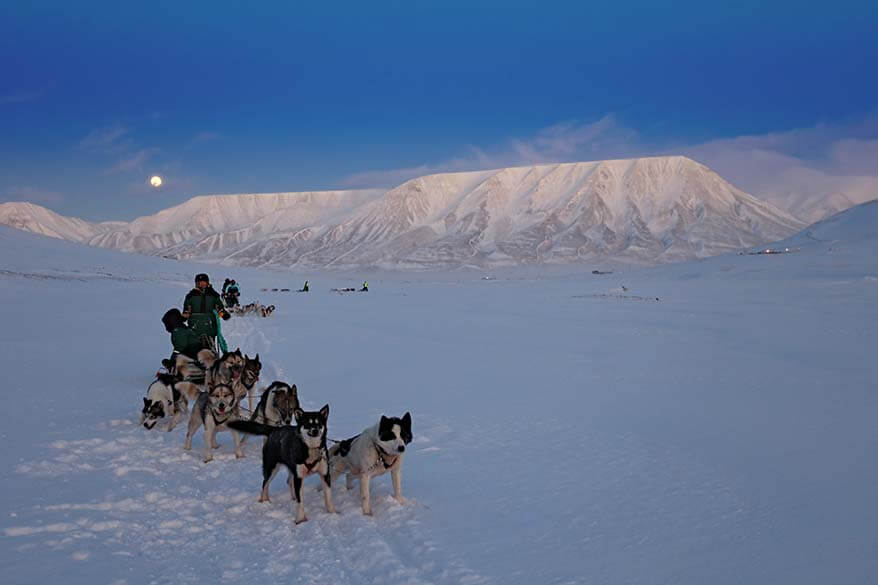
{"x":198,"y":308}
{"x":183,"y":339}
{"x":232,"y":294}
{"x":365,"y":287}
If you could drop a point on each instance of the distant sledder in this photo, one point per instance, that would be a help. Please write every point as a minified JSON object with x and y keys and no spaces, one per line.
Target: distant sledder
{"x":352,"y":289}
{"x":232,"y":294}
{"x":305,"y":288}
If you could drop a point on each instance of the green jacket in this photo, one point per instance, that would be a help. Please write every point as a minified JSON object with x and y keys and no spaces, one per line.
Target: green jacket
{"x":201,"y":306}
{"x":186,"y":342}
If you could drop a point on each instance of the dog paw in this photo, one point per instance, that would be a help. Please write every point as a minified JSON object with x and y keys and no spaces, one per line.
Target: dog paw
{"x":401,"y":501}
{"x":300,"y":520}
{"x":208,"y":459}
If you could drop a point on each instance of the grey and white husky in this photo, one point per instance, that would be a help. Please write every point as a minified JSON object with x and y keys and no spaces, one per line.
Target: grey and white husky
{"x":223,"y":370}
{"x":375,"y":451}
{"x":214,"y":409}
{"x":167,"y":397}
{"x":302,"y":449}
{"x":249,"y":376}
{"x":276,"y":405}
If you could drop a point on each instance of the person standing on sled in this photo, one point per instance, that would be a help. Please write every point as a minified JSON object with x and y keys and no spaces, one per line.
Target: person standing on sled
{"x":198,"y":308}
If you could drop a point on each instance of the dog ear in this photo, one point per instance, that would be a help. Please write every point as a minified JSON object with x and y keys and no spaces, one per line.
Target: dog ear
{"x":298,"y":413}
{"x":324,"y":412}
{"x":146,"y":401}
{"x":256,"y":359}
{"x":384,"y":425}
{"x":406,"y":428}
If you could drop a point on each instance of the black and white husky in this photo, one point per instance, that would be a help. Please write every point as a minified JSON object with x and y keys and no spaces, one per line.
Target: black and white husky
{"x":214,"y":409}
{"x":302,"y":449}
{"x":166,"y":397}
{"x":375,"y":451}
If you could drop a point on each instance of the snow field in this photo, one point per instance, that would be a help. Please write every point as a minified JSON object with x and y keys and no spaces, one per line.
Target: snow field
{"x":722,"y":435}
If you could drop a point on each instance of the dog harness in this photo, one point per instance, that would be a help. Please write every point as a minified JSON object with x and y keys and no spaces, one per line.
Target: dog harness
{"x":383,"y":456}
{"x":310,"y":466}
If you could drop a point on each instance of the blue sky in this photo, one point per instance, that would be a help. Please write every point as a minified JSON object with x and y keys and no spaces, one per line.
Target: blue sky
{"x":231,"y":97}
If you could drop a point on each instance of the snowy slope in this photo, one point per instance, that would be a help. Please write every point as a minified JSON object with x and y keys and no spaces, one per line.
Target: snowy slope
{"x":39,"y":220}
{"x":812,"y":195}
{"x":203,"y":225}
{"x":567,"y":430}
{"x":640,"y":210}
{"x":856,"y":226}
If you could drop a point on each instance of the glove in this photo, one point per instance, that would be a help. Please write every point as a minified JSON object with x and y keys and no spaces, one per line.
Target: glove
{"x":225,"y":315}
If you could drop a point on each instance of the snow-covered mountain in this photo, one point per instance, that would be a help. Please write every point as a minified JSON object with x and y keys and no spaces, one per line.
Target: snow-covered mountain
{"x":39,"y":220}
{"x":856,"y":226}
{"x":643,"y":210}
{"x":812,"y":195}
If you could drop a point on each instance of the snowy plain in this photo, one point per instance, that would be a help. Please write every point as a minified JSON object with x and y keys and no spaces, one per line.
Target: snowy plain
{"x":713,"y":422}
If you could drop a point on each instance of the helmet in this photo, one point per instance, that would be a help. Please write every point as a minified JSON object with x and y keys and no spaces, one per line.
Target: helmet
{"x":201,"y":276}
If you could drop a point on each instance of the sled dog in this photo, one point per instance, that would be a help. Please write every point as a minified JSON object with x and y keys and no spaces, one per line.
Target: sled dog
{"x":249,"y":376}
{"x":302,"y":449}
{"x":214,"y":409}
{"x":224,"y":370}
{"x":375,"y":451}
{"x":277,"y":404}
{"x":166,"y":396}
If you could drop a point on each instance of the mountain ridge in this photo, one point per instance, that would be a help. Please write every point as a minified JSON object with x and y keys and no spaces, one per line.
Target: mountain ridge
{"x":648,"y":210}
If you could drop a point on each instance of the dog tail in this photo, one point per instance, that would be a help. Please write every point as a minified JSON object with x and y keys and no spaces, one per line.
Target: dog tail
{"x":250,"y":427}
{"x":188,"y":389}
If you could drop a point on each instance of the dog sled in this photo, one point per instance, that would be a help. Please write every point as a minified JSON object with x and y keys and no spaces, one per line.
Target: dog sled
{"x":185,"y":369}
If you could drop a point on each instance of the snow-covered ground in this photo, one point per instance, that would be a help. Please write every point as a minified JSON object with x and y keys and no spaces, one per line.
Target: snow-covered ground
{"x":713,"y":422}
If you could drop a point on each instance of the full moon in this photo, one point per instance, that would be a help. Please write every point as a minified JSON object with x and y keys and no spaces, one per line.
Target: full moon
{"x":156,"y":181}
